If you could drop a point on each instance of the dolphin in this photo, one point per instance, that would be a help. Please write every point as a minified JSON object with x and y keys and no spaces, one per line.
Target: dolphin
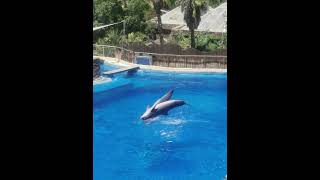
{"x":164,"y":98}
{"x":162,"y":106}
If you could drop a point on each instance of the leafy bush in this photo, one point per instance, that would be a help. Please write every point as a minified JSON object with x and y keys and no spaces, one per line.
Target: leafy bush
{"x":151,"y":31}
{"x":204,"y":41}
{"x":137,"y":37}
{"x":182,"y":39}
{"x":111,"y":37}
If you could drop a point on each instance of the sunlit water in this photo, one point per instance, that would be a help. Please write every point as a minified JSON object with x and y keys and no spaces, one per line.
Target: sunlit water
{"x":188,"y":143}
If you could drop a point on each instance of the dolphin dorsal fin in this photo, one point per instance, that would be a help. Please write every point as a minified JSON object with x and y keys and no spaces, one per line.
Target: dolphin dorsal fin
{"x":148,"y":107}
{"x":164,"y":98}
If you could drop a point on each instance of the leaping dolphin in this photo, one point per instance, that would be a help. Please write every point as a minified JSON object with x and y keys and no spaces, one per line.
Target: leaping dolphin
{"x":162,"y":106}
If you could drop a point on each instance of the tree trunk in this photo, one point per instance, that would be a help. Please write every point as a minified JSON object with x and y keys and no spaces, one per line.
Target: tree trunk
{"x":124,"y":3}
{"x":160,"y":28}
{"x":193,"y":43}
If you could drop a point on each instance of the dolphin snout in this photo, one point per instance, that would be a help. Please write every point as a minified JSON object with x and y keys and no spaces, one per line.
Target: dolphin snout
{"x":143,"y":118}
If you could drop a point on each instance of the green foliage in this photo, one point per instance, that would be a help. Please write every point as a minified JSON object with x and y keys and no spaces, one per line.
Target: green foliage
{"x":166,"y":4}
{"x":138,"y":29}
{"x":136,"y":15}
{"x":192,"y":14}
{"x":134,"y":12}
{"x":170,"y":4}
{"x":215,"y":3}
{"x":150,"y":30}
{"x":107,"y":11}
{"x":111,"y":37}
{"x":182,"y":39}
{"x":203,"y":41}
{"x":137,"y":37}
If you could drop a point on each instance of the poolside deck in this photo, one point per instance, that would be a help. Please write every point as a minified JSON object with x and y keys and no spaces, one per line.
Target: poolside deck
{"x":116,"y":71}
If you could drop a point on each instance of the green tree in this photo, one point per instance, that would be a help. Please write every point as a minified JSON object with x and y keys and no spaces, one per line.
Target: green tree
{"x":192,"y":15}
{"x":157,"y":6}
{"x":107,"y":11}
{"x":136,"y":15}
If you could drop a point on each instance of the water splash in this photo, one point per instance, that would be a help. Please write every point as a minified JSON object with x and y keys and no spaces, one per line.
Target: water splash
{"x":173,"y":122}
{"x":168,"y":134}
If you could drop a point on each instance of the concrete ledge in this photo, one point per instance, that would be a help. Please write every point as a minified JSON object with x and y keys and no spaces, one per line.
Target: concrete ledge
{"x":101,"y":80}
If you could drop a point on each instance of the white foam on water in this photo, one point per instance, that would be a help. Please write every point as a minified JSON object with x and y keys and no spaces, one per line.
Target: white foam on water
{"x":200,"y":121}
{"x":149,"y":121}
{"x":173,"y":122}
{"x":168,"y":134}
{"x":163,"y":133}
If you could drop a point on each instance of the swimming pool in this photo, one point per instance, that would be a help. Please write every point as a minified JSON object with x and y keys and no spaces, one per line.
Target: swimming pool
{"x":189,"y":143}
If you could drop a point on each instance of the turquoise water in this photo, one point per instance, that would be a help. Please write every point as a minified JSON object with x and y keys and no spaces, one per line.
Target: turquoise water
{"x":189,"y":143}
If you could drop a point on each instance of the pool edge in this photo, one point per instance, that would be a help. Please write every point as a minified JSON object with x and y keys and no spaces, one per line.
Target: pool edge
{"x":119,"y":62}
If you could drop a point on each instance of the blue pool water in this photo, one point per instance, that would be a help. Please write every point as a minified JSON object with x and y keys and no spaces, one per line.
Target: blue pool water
{"x":189,"y":143}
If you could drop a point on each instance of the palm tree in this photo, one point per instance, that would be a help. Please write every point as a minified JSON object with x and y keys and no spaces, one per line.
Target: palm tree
{"x":169,"y":4}
{"x":157,"y":5}
{"x":192,"y":15}
{"x":215,"y":3}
